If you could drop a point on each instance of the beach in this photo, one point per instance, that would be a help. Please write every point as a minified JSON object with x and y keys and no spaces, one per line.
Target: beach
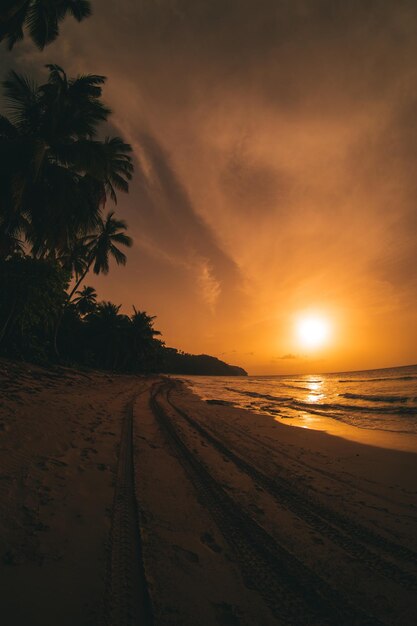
{"x":129,"y":500}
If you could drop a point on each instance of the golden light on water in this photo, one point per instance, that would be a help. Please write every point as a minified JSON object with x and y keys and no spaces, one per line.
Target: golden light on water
{"x":313,"y":331}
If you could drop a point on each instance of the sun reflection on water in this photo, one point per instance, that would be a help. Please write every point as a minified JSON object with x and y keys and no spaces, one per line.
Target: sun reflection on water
{"x":315,"y":391}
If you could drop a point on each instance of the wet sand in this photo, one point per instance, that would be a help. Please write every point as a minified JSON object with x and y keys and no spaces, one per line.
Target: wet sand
{"x":127,"y":500}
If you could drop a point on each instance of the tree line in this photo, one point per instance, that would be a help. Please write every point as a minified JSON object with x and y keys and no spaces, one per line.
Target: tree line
{"x":57,"y":175}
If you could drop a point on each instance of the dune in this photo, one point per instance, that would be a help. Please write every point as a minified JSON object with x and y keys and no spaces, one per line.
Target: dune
{"x":128,"y":500}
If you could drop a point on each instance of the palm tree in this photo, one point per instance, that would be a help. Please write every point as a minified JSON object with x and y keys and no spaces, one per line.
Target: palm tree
{"x":74,"y":258}
{"x":98,"y":248}
{"x":102,"y":246}
{"x":86,"y":300}
{"x":40,"y":17}
{"x":55,"y":176}
{"x":142,"y":324}
{"x":109,"y":334}
{"x":143,"y":343}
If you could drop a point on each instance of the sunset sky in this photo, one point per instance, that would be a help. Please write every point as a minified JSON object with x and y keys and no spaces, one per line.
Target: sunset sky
{"x":276,"y":154}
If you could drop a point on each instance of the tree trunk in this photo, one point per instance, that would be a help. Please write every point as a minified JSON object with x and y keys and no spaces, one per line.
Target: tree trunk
{"x":66,"y":303}
{"x":9,"y":317}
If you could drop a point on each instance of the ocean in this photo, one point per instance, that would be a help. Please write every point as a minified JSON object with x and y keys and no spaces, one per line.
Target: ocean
{"x":383,"y":399}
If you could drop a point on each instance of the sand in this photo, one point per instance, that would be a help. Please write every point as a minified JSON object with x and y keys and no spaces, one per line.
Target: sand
{"x":128,"y":500}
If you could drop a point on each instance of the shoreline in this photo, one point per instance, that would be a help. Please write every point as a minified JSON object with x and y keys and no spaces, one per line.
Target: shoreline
{"x":390,"y":440}
{"x":314,"y":421}
{"x":242,"y":520}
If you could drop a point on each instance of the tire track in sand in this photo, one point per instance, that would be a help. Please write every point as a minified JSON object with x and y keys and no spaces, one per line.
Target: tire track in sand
{"x":350,"y":536}
{"x":126,"y":601}
{"x":294,"y":593}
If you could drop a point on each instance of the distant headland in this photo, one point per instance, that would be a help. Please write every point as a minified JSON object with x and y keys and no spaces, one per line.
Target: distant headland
{"x":177,"y":362}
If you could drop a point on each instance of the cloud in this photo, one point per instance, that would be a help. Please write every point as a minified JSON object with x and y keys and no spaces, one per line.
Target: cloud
{"x":210,"y":287}
{"x":275,"y":145}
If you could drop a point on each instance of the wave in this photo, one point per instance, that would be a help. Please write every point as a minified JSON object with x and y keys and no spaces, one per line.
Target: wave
{"x":304,"y":380}
{"x":255,"y":394}
{"x":369,"y":380}
{"x":327,"y":406}
{"x":374,"y":398}
{"x":345,"y":418}
{"x":410,"y":410}
{"x":296,"y":387}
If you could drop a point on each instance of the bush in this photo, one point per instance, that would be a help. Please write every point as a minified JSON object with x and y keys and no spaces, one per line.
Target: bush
{"x":32,"y":293}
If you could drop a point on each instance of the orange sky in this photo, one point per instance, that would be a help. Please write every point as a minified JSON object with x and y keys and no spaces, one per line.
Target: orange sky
{"x":276,"y":147}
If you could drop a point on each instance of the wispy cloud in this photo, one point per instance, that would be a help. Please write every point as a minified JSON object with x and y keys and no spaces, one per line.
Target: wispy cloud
{"x":209,"y":286}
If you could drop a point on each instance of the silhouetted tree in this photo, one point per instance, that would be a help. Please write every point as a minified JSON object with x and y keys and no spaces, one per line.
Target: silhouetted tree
{"x":86,"y":300}
{"x":107,"y":333}
{"x":143,"y":339}
{"x":40,"y":17}
{"x":55,"y":175}
{"x":101,"y":246}
{"x":32,"y":294}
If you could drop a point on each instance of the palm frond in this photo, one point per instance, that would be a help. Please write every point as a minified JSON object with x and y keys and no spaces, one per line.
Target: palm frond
{"x":87,"y":84}
{"x":11,"y":26}
{"x":79,"y":9}
{"x":101,"y":263}
{"x":84,"y":155}
{"x":123,"y":239}
{"x":21,"y":95}
{"x":41,"y":17}
{"x":56,"y":74}
{"x":42,"y":22}
{"x":118,"y":255}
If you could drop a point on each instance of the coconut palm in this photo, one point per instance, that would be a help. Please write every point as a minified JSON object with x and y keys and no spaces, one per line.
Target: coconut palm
{"x":85,"y":300}
{"x":143,"y":344}
{"x":98,"y":248}
{"x":102,"y":245}
{"x":40,"y":17}
{"x":109,"y":334}
{"x":142,"y":323}
{"x":54,"y":174}
{"x":74,"y":258}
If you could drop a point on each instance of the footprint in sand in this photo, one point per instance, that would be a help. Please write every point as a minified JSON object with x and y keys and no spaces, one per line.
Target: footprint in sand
{"x":85,"y":452}
{"x":186,"y":554}
{"x":209,"y":541}
{"x":226,"y":615}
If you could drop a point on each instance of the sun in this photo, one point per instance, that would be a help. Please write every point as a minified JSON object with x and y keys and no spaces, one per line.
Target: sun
{"x":312,"y":331}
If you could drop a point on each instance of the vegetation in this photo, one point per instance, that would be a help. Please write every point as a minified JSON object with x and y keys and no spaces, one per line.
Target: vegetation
{"x":177,"y":362}
{"x":41,"y":18}
{"x":56,"y":177}
{"x":32,"y":295}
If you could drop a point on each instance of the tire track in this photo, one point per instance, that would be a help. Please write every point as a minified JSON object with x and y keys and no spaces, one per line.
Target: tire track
{"x":329,"y":475}
{"x":294,"y":593}
{"x":348,"y":535}
{"x":126,"y":601}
